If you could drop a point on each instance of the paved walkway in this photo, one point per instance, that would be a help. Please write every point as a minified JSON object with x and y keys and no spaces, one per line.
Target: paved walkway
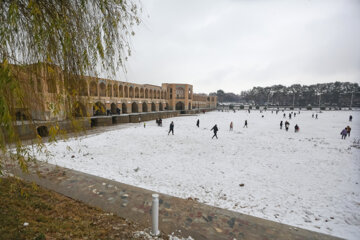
{"x":185,"y":217}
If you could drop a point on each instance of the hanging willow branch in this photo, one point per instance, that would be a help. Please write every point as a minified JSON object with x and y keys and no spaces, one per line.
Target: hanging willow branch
{"x":74,"y":37}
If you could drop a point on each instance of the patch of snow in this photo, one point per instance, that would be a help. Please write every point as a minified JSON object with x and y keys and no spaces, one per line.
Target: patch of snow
{"x":147,"y":236}
{"x":308,"y":179}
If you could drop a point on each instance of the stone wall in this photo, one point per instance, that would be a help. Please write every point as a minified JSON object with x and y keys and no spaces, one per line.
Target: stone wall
{"x":28,"y":130}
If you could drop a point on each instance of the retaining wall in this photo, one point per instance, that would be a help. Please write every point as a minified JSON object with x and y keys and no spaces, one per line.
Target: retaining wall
{"x":101,"y":121}
{"x":30,"y":130}
{"x":120,"y":119}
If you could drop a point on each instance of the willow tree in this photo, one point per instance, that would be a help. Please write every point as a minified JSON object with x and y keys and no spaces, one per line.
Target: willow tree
{"x":74,"y":37}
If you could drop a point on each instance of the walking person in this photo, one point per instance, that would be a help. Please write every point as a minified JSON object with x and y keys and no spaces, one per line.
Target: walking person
{"x":350,"y":118}
{"x":245,"y":124}
{"x":231,"y":126}
{"x":348,"y":130}
{"x":281,"y":124}
{"x":198,"y":123}
{"x":316,"y":116}
{"x":343,"y":133}
{"x":215,"y":129}
{"x":287,"y":125}
{"x":171,"y":128}
{"x":297,"y":128}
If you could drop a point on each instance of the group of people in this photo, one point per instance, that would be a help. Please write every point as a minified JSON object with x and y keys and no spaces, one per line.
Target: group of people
{"x":232,"y":125}
{"x":345,"y":132}
{"x":109,"y":112}
{"x":159,"y":122}
{"x":287,"y":124}
{"x":290,"y":114}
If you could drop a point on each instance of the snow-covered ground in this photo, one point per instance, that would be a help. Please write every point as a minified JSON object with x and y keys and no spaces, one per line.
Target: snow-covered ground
{"x":309,"y":179}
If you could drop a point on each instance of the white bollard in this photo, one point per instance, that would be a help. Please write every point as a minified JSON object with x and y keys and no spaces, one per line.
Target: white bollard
{"x":155,"y":215}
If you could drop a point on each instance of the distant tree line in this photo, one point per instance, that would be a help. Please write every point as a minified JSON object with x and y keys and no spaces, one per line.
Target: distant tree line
{"x":337,"y":94}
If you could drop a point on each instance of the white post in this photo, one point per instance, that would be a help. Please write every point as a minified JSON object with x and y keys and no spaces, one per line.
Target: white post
{"x":155,"y":215}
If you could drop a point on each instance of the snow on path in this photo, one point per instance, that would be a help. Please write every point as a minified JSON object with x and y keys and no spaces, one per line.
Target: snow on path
{"x":308,"y":179}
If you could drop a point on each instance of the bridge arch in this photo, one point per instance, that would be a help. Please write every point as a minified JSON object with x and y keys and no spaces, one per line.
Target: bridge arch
{"x":144,"y":107}
{"x":123,"y":108}
{"x":102,"y":91}
{"x":180,"y":106}
{"x":93,"y":89}
{"x":134,"y":107}
{"x":99,"y":109}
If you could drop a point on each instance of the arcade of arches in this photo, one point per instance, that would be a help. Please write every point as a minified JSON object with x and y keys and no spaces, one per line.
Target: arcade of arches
{"x":99,"y":96}
{"x":120,"y":97}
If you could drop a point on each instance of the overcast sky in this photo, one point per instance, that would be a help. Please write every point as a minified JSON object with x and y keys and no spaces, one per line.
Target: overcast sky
{"x":235,"y":45}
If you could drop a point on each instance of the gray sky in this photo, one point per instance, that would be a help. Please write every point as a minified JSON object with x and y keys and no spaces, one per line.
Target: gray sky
{"x":235,"y":45}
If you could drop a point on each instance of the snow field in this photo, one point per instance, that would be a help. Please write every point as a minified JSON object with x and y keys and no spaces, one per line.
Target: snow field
{"x":308,"y":179}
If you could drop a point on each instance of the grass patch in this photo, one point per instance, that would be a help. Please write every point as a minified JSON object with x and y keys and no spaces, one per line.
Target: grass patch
{"x":53,"y":216}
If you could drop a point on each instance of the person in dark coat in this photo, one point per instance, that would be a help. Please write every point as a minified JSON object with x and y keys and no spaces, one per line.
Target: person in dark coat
{"x":215,"y":129}
{"x":281,"y":124}
{"x":350,"y":118}
{"x":245,"y":124}
{"x":171,"y":128}
{"x":297,"y":128}
{"x":287,"y":125}
{"x":348,"y":130}
{"x":198,"y":123}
